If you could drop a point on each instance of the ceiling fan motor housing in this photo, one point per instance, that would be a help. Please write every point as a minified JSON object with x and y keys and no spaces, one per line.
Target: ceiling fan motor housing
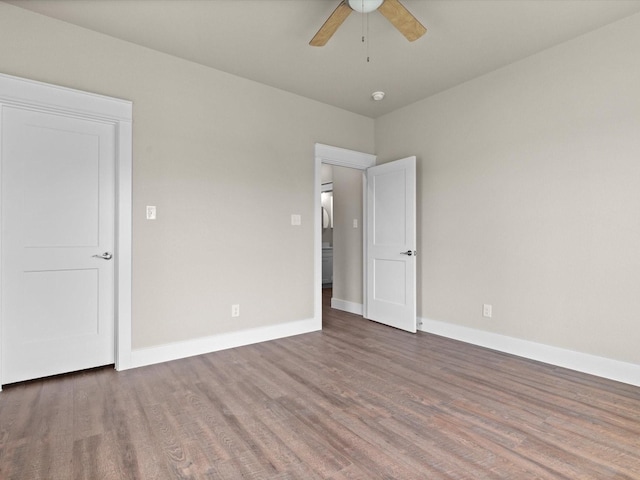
{"x":365,"y":6}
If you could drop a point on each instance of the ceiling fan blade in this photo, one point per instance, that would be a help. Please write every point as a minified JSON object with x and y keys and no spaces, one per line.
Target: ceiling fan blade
{"x":402,"y":19}
{"x":329,"y":27}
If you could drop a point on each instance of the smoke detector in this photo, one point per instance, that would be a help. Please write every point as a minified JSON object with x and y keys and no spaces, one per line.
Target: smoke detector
{"x":377,"y":96}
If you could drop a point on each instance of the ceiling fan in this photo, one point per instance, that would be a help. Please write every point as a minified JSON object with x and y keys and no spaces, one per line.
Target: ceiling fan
{"x":393,"y":10}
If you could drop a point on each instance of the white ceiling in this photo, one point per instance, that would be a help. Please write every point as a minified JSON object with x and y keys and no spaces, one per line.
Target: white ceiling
{"x":267,"y":40}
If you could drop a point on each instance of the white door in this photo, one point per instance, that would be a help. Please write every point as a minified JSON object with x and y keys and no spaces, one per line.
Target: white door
{"x":391,"y":244}
{"x":58,"y":204}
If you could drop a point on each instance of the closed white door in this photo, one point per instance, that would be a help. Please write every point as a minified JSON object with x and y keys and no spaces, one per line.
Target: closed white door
{"x":391,"y":244}
{"x":58,"y":205}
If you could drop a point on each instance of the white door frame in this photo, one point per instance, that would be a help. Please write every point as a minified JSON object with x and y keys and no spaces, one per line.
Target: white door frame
{"x":32,"y":95}
{"x":340,"y":157}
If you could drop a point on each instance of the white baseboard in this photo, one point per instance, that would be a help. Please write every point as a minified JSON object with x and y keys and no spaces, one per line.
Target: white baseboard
{"x":346,"y":306}
{"x":581,"y":362}
{"x":174,"y":351}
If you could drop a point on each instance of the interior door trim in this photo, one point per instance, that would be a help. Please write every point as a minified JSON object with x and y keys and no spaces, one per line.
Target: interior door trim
{"x":30,"y":94}
{"x":340,"y":157}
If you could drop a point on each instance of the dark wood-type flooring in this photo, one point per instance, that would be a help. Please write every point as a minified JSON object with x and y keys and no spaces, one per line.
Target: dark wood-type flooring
{"x":356,"y":401}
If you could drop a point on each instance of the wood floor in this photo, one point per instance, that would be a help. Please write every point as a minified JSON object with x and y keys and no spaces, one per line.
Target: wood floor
{"x":355,"y":401}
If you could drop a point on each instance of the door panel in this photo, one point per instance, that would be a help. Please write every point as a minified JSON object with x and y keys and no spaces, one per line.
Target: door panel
{"x":61,"y":197}
{"x":69,"y":296}
{"x":385,"y":290}
{"x":390,"y":218}
{"x":391,"y":234}
{"x":58,"y":207}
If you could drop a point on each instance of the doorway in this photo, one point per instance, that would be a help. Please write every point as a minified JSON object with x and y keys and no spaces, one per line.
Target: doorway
{"x":358,"y":161}
{"x":347,"y":235}
{"x":388,"y":239}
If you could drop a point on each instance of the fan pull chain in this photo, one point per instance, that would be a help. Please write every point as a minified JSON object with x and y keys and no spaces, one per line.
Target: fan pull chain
{"x":368,"y":38}
{"x":362,"y":15}
{"x":365,"y":37}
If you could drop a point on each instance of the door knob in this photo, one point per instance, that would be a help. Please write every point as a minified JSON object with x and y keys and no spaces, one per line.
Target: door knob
{"x":104,"y":256}
{"x":409,"y":252}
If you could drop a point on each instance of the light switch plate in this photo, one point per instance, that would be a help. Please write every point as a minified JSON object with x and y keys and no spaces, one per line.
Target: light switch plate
{"x":151,"y":212}
{"x":296,"y":219}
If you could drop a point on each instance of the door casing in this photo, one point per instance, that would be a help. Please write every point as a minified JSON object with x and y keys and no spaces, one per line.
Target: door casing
{"x":28,"y":94}
{"x":340,"y":157}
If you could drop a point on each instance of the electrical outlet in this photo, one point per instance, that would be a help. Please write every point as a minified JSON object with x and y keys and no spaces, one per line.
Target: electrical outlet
{"x":235,"y":310}
{"x":151,"y":212}
{"x":487,"y":310}
{"x":355,"y":223}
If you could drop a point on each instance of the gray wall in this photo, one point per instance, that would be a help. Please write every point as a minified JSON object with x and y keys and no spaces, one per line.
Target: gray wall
{"x":225,"y":160}
{"x":527,"y":187}
{"x":347,"y":249}
{"x":529,"y":195}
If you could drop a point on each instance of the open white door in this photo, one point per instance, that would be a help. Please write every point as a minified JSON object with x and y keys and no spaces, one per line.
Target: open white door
{"x":391,"y":243}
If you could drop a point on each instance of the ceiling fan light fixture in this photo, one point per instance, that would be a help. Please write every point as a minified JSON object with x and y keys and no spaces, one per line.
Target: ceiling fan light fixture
{"x":377,"y":96}
{"x":392,"y":10}
{"x":365,"y":6}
